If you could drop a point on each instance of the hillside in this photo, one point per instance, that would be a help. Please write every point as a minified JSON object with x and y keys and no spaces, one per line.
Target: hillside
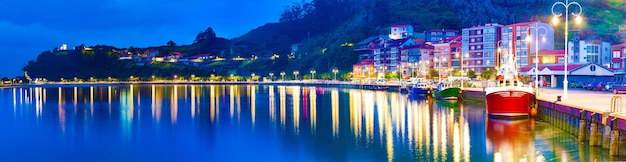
{"x":320,"y":27}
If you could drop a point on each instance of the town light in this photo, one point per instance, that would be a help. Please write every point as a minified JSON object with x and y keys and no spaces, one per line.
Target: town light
{"x":566,"y":5}
{"x":312,"y":74}
{"x":335,"y":71}
{"x":295,"y":73}
{"x":271,"y":76}
{"x":537,"y":30}
{"x":283,"y":75}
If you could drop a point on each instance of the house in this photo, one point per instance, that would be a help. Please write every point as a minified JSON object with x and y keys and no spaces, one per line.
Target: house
{"x":547,"y":57}
{"x":479,"y":44}
{"x":519,"y":39}
{"x":438,"y":35}
{"x":364,"y":69}
{"x":585,"y":48}
{"x":618,"y":60}
{"x":401,"y":32}
{"x":151,"y":52}
{"x":365,"y":48}
{"x":582,"y":72}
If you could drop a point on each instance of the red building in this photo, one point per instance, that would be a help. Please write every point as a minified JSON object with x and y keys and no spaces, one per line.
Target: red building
{"x":364,"y":69}
{"x":617,"y":56}
{"x":548,"y":57}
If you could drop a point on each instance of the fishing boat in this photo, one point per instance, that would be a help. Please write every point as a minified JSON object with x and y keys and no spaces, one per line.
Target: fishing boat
{"x":508,"y":97}
{"x":421,"y":88}
{"x":445,"y":91}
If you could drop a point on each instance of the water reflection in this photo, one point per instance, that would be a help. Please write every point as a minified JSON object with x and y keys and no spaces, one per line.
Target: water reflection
{"x":349,"y":124}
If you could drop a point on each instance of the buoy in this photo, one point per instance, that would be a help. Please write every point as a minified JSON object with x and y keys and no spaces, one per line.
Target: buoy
{"x":533,"y":112}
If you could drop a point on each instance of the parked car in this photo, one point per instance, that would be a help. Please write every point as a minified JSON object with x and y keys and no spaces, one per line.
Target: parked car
{"x":606,"y":86}
{"x":619,"y":88}
{"x":609,"y":87}
{"x":598,"y":86}
{"x":381,"y":81}
{"x":592,"y":85}
{"x":575,"y":84}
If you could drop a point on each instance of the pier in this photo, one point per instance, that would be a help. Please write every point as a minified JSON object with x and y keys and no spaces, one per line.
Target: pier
{"x":593,"y":117}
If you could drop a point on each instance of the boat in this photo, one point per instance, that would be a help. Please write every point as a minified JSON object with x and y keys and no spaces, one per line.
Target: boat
{"x":508,"y":97}
{"x":421,"y":88}
{"x":445,"y":91}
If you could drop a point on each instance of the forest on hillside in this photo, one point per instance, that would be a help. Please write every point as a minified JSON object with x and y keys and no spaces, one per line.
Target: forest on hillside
{"x":320,"y":27}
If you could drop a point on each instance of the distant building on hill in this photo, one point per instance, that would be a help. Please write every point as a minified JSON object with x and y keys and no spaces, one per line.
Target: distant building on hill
{"x":438,"y":35}
{"x":401,"y":32}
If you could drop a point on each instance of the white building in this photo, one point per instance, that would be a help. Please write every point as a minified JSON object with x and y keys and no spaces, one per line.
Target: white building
{"x":401,"y":31}
{"x":592,"y":49}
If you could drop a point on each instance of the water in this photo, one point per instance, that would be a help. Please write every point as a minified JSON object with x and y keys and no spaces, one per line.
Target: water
{"x":264,"y":123}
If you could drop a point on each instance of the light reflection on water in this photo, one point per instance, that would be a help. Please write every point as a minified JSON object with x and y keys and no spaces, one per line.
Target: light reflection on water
{"x":269,"y":123}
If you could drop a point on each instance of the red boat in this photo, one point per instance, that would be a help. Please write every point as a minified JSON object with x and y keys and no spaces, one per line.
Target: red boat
{"x":508,"y":97}
{"x":509,"y":101}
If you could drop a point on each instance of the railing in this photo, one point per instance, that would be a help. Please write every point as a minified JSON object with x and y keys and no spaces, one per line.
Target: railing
{"x":616,"y":101}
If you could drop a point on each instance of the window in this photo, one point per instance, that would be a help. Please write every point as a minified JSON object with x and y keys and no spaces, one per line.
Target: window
{"x":616,"y":65}
{"x":535,"y":60}
{"x":471,"y":47}
{"x":561,"y":60}
{"x":524,"y":60}
{"x":478,"y":32}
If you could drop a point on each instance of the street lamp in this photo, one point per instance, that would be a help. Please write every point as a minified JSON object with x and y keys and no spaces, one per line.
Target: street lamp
{"x":271,"y":76}
{"x":555,"y":20}
{"x":335,"y":71}
{"x":312,"y":74}
{"x":252,"y":77}
{"x":283,"y":75}
{"x":537,"y":28}
{"x":295,"y":73}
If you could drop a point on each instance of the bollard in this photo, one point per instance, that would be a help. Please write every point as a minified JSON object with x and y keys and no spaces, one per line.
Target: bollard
{"x":613,"y":149}
{"x":581,"y":130}
{"x":615,"y":140}
{"x":595,"y":138}
{"x":606,"y":137}
{"x":581,"y":127}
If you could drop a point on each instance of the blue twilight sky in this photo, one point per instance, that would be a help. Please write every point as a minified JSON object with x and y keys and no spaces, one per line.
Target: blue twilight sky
{"x":28,"y":27}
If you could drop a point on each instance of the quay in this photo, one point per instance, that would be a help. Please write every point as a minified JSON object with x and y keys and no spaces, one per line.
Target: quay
{"x":591,"y":116}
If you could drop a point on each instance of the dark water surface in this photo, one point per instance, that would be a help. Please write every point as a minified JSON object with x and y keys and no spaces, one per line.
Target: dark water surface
{"x":264,"y":123}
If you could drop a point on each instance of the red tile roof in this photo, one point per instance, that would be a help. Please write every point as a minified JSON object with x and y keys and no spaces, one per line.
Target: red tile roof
{"x":552,"y":67}
{"x":619,"y":45}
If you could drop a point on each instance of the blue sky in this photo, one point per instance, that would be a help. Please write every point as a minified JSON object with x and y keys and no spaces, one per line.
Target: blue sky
{"x":29,"y":27}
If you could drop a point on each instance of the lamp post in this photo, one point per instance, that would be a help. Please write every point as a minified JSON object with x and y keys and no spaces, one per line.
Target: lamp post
{"x":283,"y":75}
{"x":252,"y":77}
{"x":271,"y":76}
{"x":537,"y":28}
{"x":555,"y":20}
{"x":312,"y":74}
{"x":335,"y":71}
{"x":295,"y":73}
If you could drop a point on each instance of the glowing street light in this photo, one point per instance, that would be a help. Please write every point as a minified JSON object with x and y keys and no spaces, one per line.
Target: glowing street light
{"x":271,"y":76}
{"x":555,"y":20}
{"x":537,"y":28}
{"x":313,"y":74}
{"x":335,"y":71}
{"x":295,"y":73}
{"x":283,"y":75}
{"x":252,"y":76}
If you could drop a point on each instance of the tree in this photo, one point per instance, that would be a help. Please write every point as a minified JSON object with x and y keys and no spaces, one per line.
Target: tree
{"x":486,"y":74}
{"x":171,"y":43}
{"x":471,"y":74}
{"x":433,"y":73}
{"x":207,"y":34}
